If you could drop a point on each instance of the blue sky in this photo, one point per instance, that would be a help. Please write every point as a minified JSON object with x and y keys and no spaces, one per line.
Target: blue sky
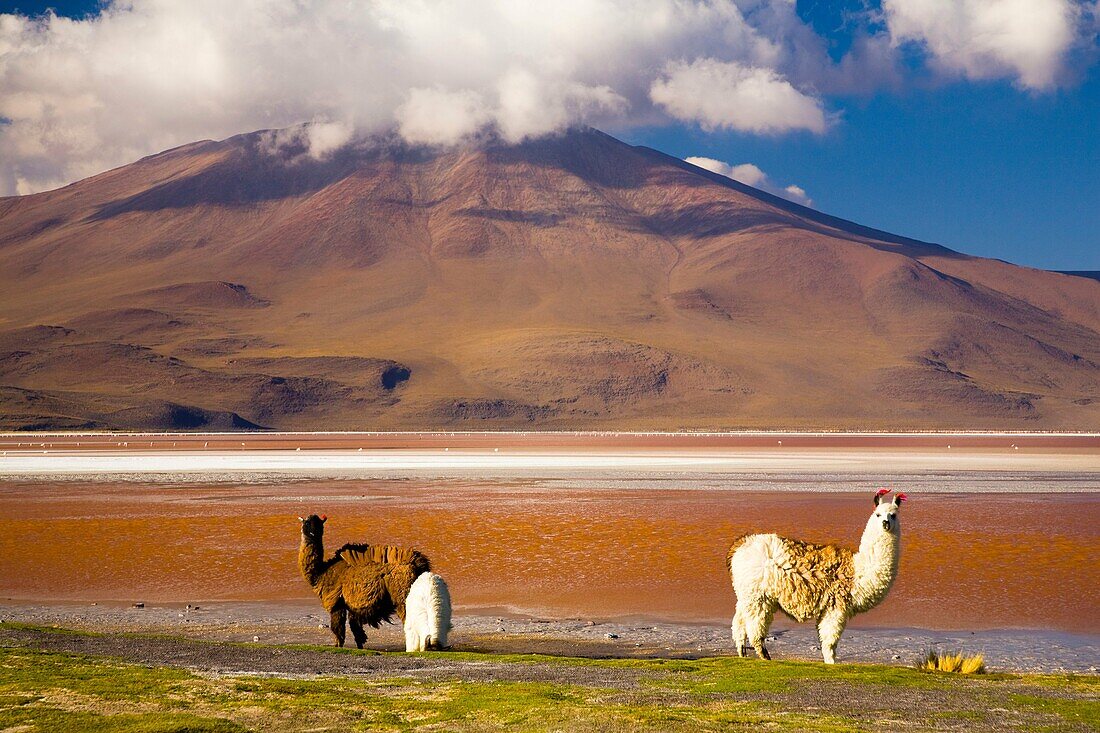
{"x":982,"y":169}
{"x":982,"y":153}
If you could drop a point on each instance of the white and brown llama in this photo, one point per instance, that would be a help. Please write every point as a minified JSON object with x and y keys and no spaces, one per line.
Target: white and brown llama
{"x":427,"y":614}
{"x":822,"y":583}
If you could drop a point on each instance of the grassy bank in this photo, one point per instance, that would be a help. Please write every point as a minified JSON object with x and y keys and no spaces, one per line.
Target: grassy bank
{"x":48,"y":690}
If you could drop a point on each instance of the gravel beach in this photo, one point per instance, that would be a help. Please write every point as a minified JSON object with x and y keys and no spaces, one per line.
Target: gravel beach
{"x":487,"y":631}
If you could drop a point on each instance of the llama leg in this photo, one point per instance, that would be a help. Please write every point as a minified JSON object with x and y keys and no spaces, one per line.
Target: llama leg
{"x":757,"y":619}
{"x":357,"y":631}
{"x":737,"y":628}
{"x":336,"y":624}
{"x":829,"y":629}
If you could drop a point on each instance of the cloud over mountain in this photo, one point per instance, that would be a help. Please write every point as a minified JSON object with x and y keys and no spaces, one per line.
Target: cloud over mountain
{"x":751,"y":175}
{"x":731,"y":95}
{"x":78,"y":96}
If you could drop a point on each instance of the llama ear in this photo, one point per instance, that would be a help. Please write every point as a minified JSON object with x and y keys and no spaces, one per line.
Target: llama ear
{"x":301,"y":519}
{"x":899,"y":498}
{"x":881,"y":493}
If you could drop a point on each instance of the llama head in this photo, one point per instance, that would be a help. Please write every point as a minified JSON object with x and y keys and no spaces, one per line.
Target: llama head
{"x":886,"y":512}
{"x":313,"y":527}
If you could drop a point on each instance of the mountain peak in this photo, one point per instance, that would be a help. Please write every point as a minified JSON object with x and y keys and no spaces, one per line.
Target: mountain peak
{"x":567,"y":281}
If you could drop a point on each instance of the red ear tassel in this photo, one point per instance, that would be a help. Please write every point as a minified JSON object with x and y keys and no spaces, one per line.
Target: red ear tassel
{"x":901,"y":498}
{"x":325,"y":516}
{"x":884,"y":491}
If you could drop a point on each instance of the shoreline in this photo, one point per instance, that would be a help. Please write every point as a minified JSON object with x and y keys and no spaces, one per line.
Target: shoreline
{"x":542,"y":453}
{"x":583,"y":433}
{"x":513,"y":461}
{"x":304,"y":622}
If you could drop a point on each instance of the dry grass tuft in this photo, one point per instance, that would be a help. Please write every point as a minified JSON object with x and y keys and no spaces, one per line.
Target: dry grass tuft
{"x":956,"y":662}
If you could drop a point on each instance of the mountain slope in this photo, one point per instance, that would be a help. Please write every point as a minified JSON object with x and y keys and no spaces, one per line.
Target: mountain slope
{"x":573,"y":281}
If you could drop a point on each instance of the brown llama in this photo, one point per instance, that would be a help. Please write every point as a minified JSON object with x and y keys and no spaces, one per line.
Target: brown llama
{"x":360,"y":584}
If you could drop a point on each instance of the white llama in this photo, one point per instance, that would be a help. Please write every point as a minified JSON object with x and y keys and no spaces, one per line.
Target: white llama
{"x":427,"y":614}
{"x":822,"y":583}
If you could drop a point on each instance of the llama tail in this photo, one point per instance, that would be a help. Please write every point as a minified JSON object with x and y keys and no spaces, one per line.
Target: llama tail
{"x":734,"y":548}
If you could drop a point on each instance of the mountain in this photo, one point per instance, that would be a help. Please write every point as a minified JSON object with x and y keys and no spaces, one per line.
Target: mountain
{"x":568,"y":282}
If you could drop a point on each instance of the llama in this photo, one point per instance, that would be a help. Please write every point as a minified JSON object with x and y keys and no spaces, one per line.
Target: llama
{"x":822,"y":583}
{"x":360,"y":584}
{"x":427,"y":614}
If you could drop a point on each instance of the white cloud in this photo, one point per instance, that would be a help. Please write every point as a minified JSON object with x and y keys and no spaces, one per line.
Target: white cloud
{"x":797,"y":193}
{"x":531,"y":106}
{"x":1026,"y":40}
{"x":439,"y":117}
{"x":731,"y":95}
{"x":80,"y":96}
{"x":317,"y":139}
{"x":751,"y":175}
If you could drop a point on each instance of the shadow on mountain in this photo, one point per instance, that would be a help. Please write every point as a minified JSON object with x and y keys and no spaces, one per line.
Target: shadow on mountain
{"x":249,"y":174}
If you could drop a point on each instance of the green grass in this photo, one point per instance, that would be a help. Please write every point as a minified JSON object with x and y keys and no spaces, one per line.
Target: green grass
{"x":47,"y":691}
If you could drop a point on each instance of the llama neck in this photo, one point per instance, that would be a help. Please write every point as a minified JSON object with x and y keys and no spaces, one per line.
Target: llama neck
{"x":311,"y":555}
{"x":876,"y":565}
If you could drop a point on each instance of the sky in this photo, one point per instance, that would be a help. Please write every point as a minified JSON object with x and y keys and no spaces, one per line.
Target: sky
{"x":970,"y":123}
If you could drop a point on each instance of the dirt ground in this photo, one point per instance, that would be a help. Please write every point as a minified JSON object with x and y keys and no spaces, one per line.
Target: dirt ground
{"x":503,"y":633}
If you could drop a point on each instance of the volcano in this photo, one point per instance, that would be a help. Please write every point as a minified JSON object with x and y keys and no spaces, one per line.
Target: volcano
{"x":570,"y":282}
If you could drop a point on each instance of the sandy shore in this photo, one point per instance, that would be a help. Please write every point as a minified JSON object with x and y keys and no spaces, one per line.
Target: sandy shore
{"x":488,"y":631}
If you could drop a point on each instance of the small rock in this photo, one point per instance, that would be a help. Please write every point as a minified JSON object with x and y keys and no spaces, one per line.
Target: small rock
{"x":321,"y":626}
{"x":180,"y":615}
{"x":896,"y":656}
{"x":139,"y":605}
{"x":255,"y":638}
{"x":589,"y":623}
{"x":612,"y":636}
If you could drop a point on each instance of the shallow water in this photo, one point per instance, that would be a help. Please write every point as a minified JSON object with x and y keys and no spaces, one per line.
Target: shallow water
{"x":557,"y":548}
